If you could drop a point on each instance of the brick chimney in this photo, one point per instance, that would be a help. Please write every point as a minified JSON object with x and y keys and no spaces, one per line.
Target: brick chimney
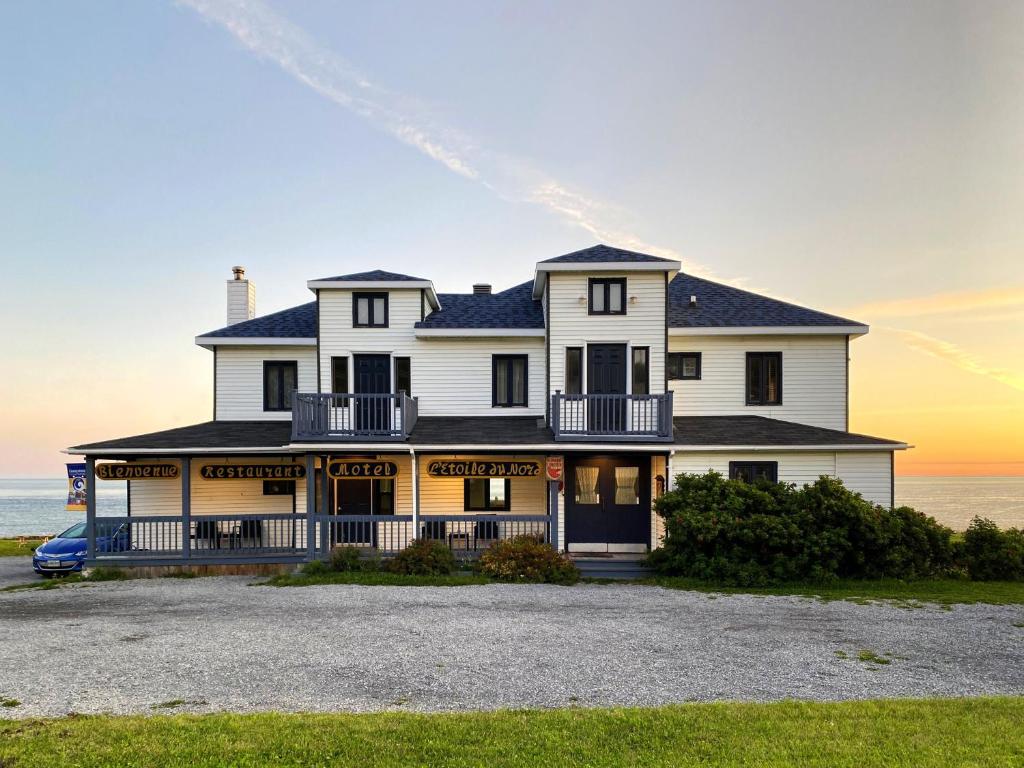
{"x":482,"y":288}
{"x":241,"y":298}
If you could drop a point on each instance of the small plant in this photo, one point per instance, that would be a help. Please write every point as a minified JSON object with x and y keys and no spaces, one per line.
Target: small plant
{"x":423,"y":557}
{"x":9,"y":703}
{"x":842,"y":655}
{"x":351,"y":560}
{"x":527,"y":559}
{"x":315,"y":568}
{"x":870,"y":657}
{"x":105,"y":573}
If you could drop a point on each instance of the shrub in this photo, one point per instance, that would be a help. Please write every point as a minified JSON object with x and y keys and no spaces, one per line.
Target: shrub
{"x":423,"y":557}
{"x":352,"y":559}
{"x":753,"y":534}
{"x":527,"y":559}
{"x":989,"y":554}
{"x":106,"y":573}
{"x":315,"y":568}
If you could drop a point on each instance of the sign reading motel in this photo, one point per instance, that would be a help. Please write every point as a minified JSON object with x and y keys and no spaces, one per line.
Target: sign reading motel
{"x":350,"y":470}
{"x":483,"y":468}
{"x":129,"y":471}
{"x":252,"y":471}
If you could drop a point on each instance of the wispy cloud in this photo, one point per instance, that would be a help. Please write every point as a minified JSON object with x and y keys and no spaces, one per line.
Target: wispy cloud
{"x":270,"y":36}
{"x":959,"y":357}
{"x":944,"y":303}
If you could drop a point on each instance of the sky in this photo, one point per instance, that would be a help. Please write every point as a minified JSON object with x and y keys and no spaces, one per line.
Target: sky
{"x":860,"y":158}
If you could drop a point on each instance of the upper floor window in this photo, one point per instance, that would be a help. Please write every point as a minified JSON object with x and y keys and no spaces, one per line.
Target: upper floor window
{"x":684,"y":365}
{"x":752,"y":471}
{"x":508,"y":381}
{"x":280,"y":380}
{"x":403,"y":376}
{"x":764,"y":378}
{"x":339,"y":375}
{"x":369,"y":310}
{"x":607,"y":295}
{"x":641,"y":371}
{"x":574,"y":370}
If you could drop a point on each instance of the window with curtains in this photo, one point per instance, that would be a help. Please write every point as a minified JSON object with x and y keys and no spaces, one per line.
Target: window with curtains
{"x":641,"y":371}
{"x":508,"y":381}
{"x":280,"y":379}
{"x":627,"y":485}
{"x":487,"y":493}
{"x":764,"y":378}
{"x":403,"y":376}
{"x":339,"y":375}
{"x":752,"y":471}
{"x":574,"y":370}
{"x":684,"y":365}
{"x":607,"y":295}
{"x":588,"y":485}
{"x":369,"y":310}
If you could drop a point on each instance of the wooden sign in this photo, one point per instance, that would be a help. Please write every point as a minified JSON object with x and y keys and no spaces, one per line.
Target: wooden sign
{"x":361,"y":470}
{"x":252,"y":471}
{"x":476,"y":468}
{"x":130,"y":471}
{"x":554,"y":467}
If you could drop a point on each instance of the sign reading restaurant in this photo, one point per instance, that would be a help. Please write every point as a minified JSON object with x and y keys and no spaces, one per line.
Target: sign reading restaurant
{"x":483,"y":468}
{"x":252,"y":471}
{"x":131,"y":471}
{"x":349,"y":470}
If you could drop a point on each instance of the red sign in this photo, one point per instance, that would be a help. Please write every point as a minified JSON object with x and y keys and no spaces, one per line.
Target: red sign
{"x":554,"y":467}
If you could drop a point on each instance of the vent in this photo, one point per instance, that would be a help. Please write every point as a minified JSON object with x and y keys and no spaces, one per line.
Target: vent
{"x":482,"y":288}
{"x":693,"y":300}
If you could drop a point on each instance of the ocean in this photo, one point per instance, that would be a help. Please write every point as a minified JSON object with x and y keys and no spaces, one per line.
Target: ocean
{"x":37,"y":506}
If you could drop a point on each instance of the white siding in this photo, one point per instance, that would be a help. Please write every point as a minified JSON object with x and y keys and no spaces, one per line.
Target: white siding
{"x":643,"y":325}
{"x":445,"y":496}
{"x":866,"y":472}
{"x":240,"y":380}
{"x":813,"y":378}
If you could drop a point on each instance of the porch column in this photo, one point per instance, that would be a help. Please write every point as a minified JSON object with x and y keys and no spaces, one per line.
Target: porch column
{"x":325,"y":501}
{"x":415,"y":461}
{"x":553,"y":512}
{"x":186,"y":507}
{"x":90,"y":508}
{"x":310,"y":507}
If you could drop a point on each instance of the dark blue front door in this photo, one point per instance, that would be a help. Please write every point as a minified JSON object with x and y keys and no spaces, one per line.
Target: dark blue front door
{"x":373,"y":376}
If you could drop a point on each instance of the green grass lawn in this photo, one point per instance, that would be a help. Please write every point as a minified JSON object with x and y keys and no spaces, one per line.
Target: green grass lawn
{"x":375,"y":578}
{"x":10,"y":548}
{"x":942,"y":591}
{"x":953,"y":732}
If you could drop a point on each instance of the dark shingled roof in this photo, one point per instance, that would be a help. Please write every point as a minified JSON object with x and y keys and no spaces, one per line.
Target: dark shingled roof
{"x":481,"y":430}
{"x":209,"y":434}
{"x":722,"y":306}
{"x":601,"y":253}
{"x":296,"y":322}
{"x":693,"y":431}
{"x":512,"y":308}
{"x":376,"y":275}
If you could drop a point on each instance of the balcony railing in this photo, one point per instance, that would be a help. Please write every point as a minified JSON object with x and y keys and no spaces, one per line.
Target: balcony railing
{"x":334,"y":416}
{"x":612,"y":417}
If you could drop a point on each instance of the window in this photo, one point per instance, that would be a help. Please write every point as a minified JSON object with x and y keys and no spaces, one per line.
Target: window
{"x":764,"y":378}
{"x":369,"y":310}
{"x":684,"y":365}
{"x":607,"y":295}
{"x":487,"y":493}
{"x":403,"y":376}
{"x":627,"y":485}
{"x":279,"y":384}
{"x":752,"y":471}
{"x":641,"y":374}
{"x":339,"y":374}
{"x":508,"y":381}
{"x":588,"y":485}
{"x":574,"y":370}
{"x":278,"y":487}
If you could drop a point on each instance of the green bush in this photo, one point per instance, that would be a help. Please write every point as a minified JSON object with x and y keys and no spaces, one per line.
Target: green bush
{"x":989,"y":554}
{"x":527,"y":559}
{"x":353,"y":559}
{"x":754,"y":534}
{"x":315,"y":568}
{"x":423,"y":557}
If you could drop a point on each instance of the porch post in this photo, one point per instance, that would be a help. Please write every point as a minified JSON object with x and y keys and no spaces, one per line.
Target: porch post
{"x":186,"y":507}
{"x":310,"y":507}
{"x":553,"y":512}
{"x":325,"y":501}
{"x":415,"y":461}
{"x":90,"y":508}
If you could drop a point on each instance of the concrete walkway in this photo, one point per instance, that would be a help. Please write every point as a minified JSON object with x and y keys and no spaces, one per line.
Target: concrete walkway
{"x":218,"y":643}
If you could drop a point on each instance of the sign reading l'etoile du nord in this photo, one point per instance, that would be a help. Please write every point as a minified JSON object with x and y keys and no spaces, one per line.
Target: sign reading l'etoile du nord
{"x":475,"y":468}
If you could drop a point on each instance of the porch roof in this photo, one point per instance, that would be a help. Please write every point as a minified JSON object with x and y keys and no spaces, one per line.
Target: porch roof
{"x":759,"y":431}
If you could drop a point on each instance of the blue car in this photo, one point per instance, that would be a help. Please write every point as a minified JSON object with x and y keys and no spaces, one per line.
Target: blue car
{"x":65,"y":552}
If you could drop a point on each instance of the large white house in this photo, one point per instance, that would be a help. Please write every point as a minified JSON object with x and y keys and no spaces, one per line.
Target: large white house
{"x":383,"y":411}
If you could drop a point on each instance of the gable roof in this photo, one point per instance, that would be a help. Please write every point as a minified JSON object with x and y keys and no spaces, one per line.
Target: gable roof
{"x":601,"y":253}
{"x":374,"y":275}
{"x":511,"y":308}
{"x":722,"y":306}
{"x":296,"y":322}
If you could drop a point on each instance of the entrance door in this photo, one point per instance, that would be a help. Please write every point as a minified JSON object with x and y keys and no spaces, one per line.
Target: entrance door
{"x":373,"y":376}
{"x":606,"y":375}
{"x":608,"y":503}
{"x":355,"y":497}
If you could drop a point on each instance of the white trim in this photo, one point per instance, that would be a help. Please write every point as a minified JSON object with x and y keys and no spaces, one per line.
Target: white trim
{"x":170,"y":451}
{"x":775,"y":448}
{"x":256,"y":341}
{"x":540,"y":273}
{"x":772,"y":330}
{"x":342,"y":285}
{"x":490,"y":332}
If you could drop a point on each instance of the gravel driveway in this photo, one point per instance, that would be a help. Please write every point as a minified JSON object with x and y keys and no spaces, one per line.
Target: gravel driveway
{"x":218,"y":643}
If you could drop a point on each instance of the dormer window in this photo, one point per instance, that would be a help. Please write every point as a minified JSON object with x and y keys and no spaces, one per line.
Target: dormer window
{"x":607,"y":295}
{"x":369,"y":310}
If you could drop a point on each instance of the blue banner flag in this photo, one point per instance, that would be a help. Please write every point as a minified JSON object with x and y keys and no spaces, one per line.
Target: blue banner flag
{"x":76,"y":488}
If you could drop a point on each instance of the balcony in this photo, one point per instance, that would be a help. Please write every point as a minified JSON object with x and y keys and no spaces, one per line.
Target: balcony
{"x":619,"y":418}
{"x":342,"y":416}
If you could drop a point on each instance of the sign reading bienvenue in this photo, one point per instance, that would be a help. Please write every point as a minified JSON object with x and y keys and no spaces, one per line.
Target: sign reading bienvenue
{"x":483,"y":468}
{"x":252,"y":471}
{"x":351,"y":470}
{"x":130,"y":471}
